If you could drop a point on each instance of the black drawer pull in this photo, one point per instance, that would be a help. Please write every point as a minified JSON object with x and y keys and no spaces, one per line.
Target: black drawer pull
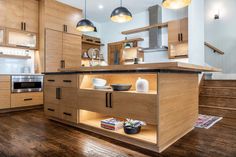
{"x":67,"y":81}
{"x":49,"y":109}
{"x":110,"y":100}
{"x":106,"y":99}
{"x":29,"y":99}
{"x":58,"y":93}
{"x":67,"y":114}
{"x":51,"y":80}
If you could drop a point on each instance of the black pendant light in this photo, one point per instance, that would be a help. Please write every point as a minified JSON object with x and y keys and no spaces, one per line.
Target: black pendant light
{"x":175,"y":4}
{"x":121,"y":14}
{"x":85,"y":25}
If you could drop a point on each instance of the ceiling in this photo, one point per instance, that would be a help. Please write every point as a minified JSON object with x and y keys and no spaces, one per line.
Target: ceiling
{"x":103,"y":15}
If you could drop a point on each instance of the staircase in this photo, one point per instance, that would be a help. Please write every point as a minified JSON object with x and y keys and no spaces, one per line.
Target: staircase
{"x":218,"y":98}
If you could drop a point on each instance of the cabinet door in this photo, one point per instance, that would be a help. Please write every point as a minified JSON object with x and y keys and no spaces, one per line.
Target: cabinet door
{"x":72,"y":50}
{"x":69,"y":97}
{"x":71,"y":17}
{"x":51,"y":101}
{"x":173,"y":31}
{"x":54,"y":15}
{"x":184,"y":29}
{"x":3,"y":13}
{"x":14,"y":13}
{"x":53,"y":50}
{"x":135,"y":106}
{"x":31,"y":15}
{"x":95,"y":101}
{"x":5,"y":92}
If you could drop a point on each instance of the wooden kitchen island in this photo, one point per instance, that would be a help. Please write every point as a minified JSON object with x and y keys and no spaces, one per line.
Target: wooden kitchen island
{"x":170,"y":108}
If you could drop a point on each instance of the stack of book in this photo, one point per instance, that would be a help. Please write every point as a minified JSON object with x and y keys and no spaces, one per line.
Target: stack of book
{"x":112,"y":124}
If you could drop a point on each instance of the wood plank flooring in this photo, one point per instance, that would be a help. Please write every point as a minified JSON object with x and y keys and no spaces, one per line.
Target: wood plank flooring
{"x":29,"y":134}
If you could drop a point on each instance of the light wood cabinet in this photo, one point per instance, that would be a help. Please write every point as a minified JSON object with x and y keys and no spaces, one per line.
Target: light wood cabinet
{"x":26,"y":99}
{"x":31,"y":15}
{"x":2,"y":35}
{"x":21,"y":14}
{"x":5,"y":92}
{"x":53,"y":50}
{"x":131,"y":105}
{"x":178,"y":38}
{"x":60,"y":97}
{"x":96,"y":101}
{"x":59,"y":16}
{"x":72,"y":47}
{"x":62,"y":50}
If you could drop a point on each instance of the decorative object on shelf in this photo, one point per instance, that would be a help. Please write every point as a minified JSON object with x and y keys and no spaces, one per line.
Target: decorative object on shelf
{"x":133,"y":126}
{"x":85,"y":55}
{"x":121,"y":14}
{"x":85,"y":25}
{"x":99,"y":82}
{"x":112,"y":124}
{"x":93,"y":53}
{"x":121,"y":87}
{"x":142,"y":85}
{"x":175,"y":4}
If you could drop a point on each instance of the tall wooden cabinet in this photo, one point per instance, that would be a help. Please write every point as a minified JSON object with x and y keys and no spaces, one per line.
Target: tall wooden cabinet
{"x":62,"y":50}
{"x":60,"y":42}
{"x":21,"y":14}
{"x":5,"y":92}
{"x":178,"y":38}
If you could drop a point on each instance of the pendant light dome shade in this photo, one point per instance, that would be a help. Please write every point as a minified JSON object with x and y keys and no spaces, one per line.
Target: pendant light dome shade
{"x":85,"y":25}
{"x":175,"y":4}
{"x":121,"y":15}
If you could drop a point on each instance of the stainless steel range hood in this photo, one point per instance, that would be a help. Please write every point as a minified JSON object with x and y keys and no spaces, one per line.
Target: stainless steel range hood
{"x":155,"y":34}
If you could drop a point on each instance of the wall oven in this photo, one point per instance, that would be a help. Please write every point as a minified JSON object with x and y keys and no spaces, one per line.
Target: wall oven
{"x":26,"y":83}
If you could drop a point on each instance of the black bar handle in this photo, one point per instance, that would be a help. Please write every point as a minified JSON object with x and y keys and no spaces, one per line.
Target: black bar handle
{"x":178,"y":37}
{"x":110,"y":100}
{"x":107,"y":100}
{"x":181,"y":36}
{"x":58,"y":93}
{"x":62,"y":64}
{"x":22,"y":26}
{"x":67,"y":81}
{"x":49,"y":109}
{"x":67,"y":114}
{"x":66,"y":28}
{"x":28,"y":99}
{"x":51,"y":80}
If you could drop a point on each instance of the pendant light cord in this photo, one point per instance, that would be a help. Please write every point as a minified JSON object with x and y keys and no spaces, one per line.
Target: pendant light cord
{"x":121,"y":3}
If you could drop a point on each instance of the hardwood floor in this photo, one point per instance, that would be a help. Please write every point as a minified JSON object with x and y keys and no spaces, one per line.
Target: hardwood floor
{"x":29,"y":133}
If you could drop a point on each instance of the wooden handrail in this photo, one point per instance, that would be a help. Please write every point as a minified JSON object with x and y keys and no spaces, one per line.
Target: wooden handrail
{"x":216,"y":50}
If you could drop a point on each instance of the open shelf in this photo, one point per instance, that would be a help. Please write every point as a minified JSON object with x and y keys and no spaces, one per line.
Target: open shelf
{"x":14,"y":56}
{"x":130,"y":91}
{"x":148,"y":133}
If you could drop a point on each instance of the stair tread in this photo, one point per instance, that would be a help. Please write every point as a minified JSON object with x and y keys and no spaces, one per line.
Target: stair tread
{"x":218,"y":87}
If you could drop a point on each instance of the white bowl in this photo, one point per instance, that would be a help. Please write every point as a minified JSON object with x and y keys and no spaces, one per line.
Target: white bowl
{"x":99,"y":82}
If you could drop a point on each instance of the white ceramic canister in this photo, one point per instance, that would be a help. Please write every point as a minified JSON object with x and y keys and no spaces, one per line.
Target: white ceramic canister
{"x":142,"y":85}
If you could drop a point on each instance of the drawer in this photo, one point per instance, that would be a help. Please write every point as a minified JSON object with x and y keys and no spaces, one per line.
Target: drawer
{"x":5,"y":85}
{"x":26,"y":99}
{"x":69,"y":114}
{"x":5,"y":98}
{"x":68,"y":81}
{"x":51,"y":94}
{"x":5,"y":78}
{"x":51,"y":110}
{"x":51,"y":80}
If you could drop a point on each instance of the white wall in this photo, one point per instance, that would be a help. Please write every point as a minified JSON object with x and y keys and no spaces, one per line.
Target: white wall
{"x":221,"y":33}
{"x":97,"y":34}
{"x":111,"y":32}
{"x":196,"y":32}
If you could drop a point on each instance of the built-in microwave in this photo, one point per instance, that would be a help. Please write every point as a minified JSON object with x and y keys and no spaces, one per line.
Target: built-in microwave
{"x":26,"y":83}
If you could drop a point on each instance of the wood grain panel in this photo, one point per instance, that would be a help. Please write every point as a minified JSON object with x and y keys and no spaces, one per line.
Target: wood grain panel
{"x":226,"y":92}
{"x":5,"y":98}
{"x":69,"y":114}
{"x":53,"y":48}
{"x":178,"y":106}
{"x":26,"y":99}
{"x":72,"y":48}
{"x":31,"y":15}
{"x":69,"y":97}
{"x":219,"y":83}
{"x":217,"y":102}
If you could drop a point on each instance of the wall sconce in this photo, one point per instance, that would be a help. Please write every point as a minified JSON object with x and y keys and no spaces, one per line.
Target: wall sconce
{"x":217,"y":14}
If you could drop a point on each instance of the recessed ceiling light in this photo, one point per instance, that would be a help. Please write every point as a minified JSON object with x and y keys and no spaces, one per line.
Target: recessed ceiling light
{"x":100,"y":6}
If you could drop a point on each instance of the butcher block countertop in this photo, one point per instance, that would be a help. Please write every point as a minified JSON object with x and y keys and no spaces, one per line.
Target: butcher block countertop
{"x":164,"y":66}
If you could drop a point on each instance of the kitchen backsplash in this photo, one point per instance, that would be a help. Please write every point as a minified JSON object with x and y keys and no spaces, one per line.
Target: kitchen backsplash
{"x":14,"y":65}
